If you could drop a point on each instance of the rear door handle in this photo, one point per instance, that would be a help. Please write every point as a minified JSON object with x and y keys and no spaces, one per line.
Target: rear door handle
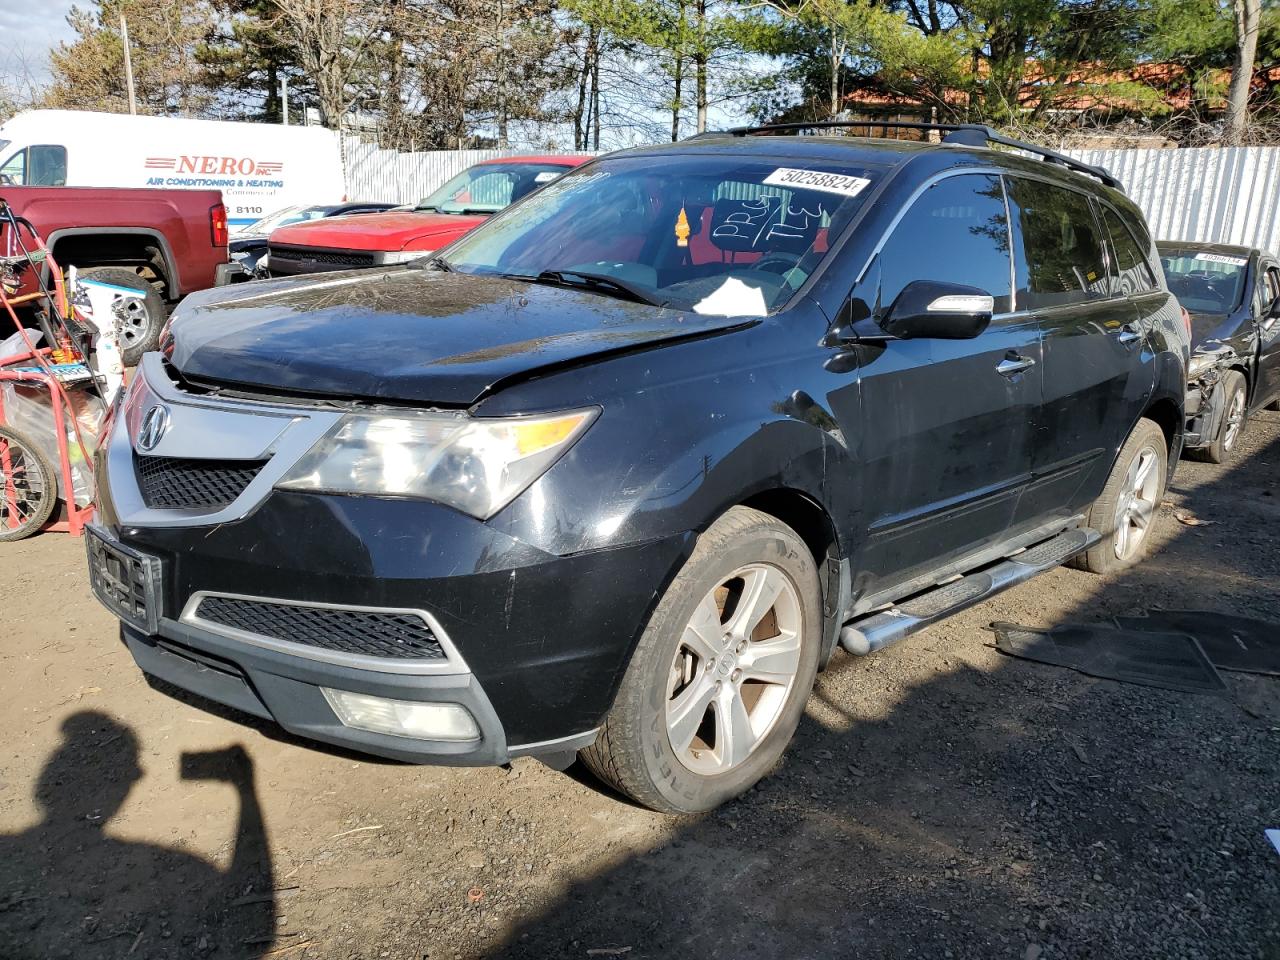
{"x":1013,"y":363}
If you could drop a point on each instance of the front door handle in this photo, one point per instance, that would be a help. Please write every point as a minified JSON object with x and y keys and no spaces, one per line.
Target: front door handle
{"x":1129,"y":335}
{"x":1013,"y":363}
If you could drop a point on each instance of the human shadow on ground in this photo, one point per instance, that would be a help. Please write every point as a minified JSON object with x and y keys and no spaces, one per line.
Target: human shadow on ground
{"x":963,"y":811}
{"x":70,"y":886}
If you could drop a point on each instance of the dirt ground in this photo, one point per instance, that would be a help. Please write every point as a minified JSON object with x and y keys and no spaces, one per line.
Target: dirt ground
{"x":940,"y":800}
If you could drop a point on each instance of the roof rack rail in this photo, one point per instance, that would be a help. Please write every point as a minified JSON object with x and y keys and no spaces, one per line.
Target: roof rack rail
{"x":966,"y":134}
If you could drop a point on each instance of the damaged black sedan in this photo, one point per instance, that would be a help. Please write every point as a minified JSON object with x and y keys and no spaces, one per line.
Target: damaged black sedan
{"x":1233,"y":296}
{"x":614,"y":474}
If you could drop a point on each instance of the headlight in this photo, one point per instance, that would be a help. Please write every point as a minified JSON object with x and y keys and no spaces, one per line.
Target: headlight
{"x":404,"y":256}
{"x":1201,"y":362}
{"x":475,"y":464}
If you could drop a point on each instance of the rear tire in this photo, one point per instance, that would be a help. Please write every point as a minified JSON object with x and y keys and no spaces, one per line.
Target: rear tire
{"x":28,"y":486}
{"x":1129,"y":504}
{"x":143,"y":317}
{"x":1235,"y":415}
{"x":718,"y":681}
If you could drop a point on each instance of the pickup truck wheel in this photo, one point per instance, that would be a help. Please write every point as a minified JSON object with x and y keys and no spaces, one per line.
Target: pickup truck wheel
{"x":1129,"y":503}
{"x":1235,"y":414}
{"x":28,"y":486}
{"x":142,"y":317}
{"x":720,"y":677}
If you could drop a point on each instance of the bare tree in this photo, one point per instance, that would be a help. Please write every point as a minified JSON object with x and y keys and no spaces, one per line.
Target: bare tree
{"x":333,"y":40}
{"x":1248,"y":18}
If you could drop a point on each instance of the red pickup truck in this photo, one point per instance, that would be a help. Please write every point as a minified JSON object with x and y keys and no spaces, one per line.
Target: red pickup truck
{"x":163,"y":243}
{"x":380,"y":239}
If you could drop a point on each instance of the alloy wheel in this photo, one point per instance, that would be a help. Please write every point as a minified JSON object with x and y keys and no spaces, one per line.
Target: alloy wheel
{"x":1139,"y":498}
{"x":1234,"y":421}
{"x":734,"y":668}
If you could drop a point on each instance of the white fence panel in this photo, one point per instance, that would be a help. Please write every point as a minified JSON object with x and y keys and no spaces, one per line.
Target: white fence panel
{"x":376,"y":174}
{"x":1215,"y":194}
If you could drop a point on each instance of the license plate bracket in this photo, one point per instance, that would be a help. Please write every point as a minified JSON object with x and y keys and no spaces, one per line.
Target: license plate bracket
{"x":125,"y":581}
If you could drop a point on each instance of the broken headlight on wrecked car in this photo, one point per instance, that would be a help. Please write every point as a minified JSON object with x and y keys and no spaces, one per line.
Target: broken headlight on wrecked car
{"x":474,"y":464}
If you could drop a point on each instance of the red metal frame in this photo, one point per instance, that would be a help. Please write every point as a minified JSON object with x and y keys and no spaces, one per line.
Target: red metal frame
{"x":76,"y":517}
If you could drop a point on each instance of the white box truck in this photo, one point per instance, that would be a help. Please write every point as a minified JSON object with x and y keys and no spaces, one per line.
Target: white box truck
{"x":259,"y":167}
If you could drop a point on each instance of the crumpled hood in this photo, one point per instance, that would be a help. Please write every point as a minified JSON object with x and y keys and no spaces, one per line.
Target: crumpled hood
{"x":410,"y":335}
{"x":378,"y":231}
{"x":1207,"y":327}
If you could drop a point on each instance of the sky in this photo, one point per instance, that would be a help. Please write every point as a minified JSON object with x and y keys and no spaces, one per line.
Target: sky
{"x":29,"y":31}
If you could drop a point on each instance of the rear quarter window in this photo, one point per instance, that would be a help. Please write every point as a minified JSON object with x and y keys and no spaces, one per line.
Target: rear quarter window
{"x":1130,"y":272}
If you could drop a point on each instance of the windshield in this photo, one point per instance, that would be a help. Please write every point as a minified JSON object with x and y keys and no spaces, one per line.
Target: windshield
{"x":730,"y":236}
{"x":1205,"y":282}
{"x":488,"y":187}
{"x":280,"y":218}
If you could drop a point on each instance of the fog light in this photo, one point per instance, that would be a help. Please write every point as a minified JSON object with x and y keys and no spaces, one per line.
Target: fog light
{"x":403,"y":718}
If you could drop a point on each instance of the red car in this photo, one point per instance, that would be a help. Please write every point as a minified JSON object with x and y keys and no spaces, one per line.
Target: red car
{"x":379,"y":239}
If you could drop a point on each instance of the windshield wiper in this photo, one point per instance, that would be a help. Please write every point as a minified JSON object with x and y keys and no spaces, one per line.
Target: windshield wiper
{"x":595,"y":282}
{"x":439,"y":263}
{"x":428,"y":209}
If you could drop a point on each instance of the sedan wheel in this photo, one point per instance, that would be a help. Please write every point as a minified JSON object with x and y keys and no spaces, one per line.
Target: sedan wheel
{"x":1234,"y":422}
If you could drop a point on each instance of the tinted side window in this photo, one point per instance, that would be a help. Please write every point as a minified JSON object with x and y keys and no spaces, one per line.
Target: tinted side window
{"x":955,"y":232}
{"x":1130,"y":272}
{"x":1059,"y":258}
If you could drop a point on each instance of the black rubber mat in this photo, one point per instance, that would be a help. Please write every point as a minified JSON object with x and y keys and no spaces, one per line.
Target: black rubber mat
{"x":1170,"y":660}
{"x":1231,"y":643}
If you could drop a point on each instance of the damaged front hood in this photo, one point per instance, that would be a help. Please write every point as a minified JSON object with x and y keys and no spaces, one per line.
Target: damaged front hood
{"x":1206,"y":327}
{"x":409,"y":335}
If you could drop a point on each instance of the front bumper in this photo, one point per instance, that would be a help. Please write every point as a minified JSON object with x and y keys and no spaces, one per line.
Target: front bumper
{"x":1205,"y":406}
{"x":537,"y":643}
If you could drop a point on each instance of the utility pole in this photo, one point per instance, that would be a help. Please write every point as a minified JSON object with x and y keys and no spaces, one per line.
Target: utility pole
{"x":284,"y":98}
{"x":128,"y":65}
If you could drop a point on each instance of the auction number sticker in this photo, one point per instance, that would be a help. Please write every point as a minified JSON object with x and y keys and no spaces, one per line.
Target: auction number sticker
{"x":1219,"y":258}
{"x":841,"y":183}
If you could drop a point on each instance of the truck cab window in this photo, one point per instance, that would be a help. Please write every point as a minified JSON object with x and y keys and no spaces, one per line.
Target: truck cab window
{"x":47,"y":166}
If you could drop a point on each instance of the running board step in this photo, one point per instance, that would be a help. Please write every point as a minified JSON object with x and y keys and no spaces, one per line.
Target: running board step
{"x":875,"y":631}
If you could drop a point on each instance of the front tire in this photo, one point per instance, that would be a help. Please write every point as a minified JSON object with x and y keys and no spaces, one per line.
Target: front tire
{"x":1130,"y":502}
{"x":1235,"y":415}
{"x":141,"y":317}
{"x":720,"y":676}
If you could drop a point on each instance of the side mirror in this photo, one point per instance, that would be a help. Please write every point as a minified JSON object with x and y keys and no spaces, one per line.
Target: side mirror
{"x":926,"y":309}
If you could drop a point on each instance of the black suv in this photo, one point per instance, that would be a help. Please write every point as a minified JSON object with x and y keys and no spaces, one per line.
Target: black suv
{"x":615,"y":473}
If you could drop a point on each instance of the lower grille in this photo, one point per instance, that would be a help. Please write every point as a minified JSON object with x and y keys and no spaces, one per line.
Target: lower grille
{"x":370,"y":633}
{"x":176,"y":483}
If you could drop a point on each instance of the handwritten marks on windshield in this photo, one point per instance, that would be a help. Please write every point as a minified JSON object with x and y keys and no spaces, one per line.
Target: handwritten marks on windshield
{"x":765,"y":223}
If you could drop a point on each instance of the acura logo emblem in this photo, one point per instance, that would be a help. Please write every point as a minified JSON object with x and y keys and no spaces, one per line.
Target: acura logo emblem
{"x":154,"y":423}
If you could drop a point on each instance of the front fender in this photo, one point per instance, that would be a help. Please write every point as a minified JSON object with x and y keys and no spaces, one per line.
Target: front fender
{"x":669,"y":452}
